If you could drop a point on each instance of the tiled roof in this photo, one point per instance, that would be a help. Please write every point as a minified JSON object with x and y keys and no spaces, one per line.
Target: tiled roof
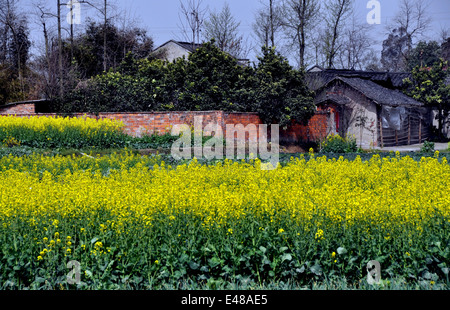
{"x":379,"y":94}
{"x":392,"y":80}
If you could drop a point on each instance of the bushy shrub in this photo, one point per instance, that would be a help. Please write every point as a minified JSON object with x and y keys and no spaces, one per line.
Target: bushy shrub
{"x":337,"y":144}
{"x":427,"y":147}
{"x":209,"y":79}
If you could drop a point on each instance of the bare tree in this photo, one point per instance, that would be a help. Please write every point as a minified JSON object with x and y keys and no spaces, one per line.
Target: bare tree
{"x":337,"y":13}
{"x":267,"y":24}
{"x":192,"y":17}
{"x":444,"y":34}
{"x":356,"y":51}
{"x":224,"y":29}
{"x":413,"y":18}
{"x":394,"y":56}
{"x":300,"y":18}
{"x":43,"y":14}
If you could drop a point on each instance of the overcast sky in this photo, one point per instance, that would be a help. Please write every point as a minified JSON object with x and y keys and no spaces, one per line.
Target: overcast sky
{"x":161,"y":17}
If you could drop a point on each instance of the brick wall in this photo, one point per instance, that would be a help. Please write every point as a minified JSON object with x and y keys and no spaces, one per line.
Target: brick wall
{"x":316,"y":129}
{"x":138,"y":124}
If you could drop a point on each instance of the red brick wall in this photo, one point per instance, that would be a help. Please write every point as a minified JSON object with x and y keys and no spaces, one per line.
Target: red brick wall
{"x":314,"y":131}
{"x":138,"y":124}
{"x":244,"y":119}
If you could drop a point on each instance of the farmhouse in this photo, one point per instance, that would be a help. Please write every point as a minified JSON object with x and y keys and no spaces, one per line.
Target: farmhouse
{"x":172,"y":50}
{"x":370,"y":106}
{"x":367,"y":105}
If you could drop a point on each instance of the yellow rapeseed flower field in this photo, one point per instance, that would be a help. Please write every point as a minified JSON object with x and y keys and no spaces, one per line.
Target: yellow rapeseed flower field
{"x":122,"y":204}
{"x":48,"y":131}
{"x":38,"y":123}
{"x":401,"y":190}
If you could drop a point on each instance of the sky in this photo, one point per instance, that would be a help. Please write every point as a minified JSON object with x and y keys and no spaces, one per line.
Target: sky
{"x":161,"y":17}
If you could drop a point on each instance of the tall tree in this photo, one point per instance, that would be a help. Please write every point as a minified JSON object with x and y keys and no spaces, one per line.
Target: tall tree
{"x":281,"y":95}
{"x":268,"y":24}
{"x":192,"y":16}
{"x":429,"y":85}
{"x":102,"y":7}
{"x":89,"y":47}
{"x":224,"y":29}
{"x":425,"y":54}
{"x":337,"y":13}
{"x":395,"y":51}
{"x":19,"y":47}
{"x":413,"y":18}
{"x":356,"y":51}
{"x":15,"y":43}
{"x":300,"y":18}
{"x":43,"y":14}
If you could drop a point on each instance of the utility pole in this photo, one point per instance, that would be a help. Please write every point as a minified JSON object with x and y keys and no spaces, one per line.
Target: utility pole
{"x":71,"y":32}
{"x":272,"y":39}
{"x":60,"y":64}
{"x":104,"y":36}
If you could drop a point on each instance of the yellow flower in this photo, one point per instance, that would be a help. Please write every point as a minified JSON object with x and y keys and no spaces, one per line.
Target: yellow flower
{"x":40,"y":257}
{"x":157,"y":262}
{"x":319,"y":235}
{"x":281,"y":230}
{"x":333,"y":255}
